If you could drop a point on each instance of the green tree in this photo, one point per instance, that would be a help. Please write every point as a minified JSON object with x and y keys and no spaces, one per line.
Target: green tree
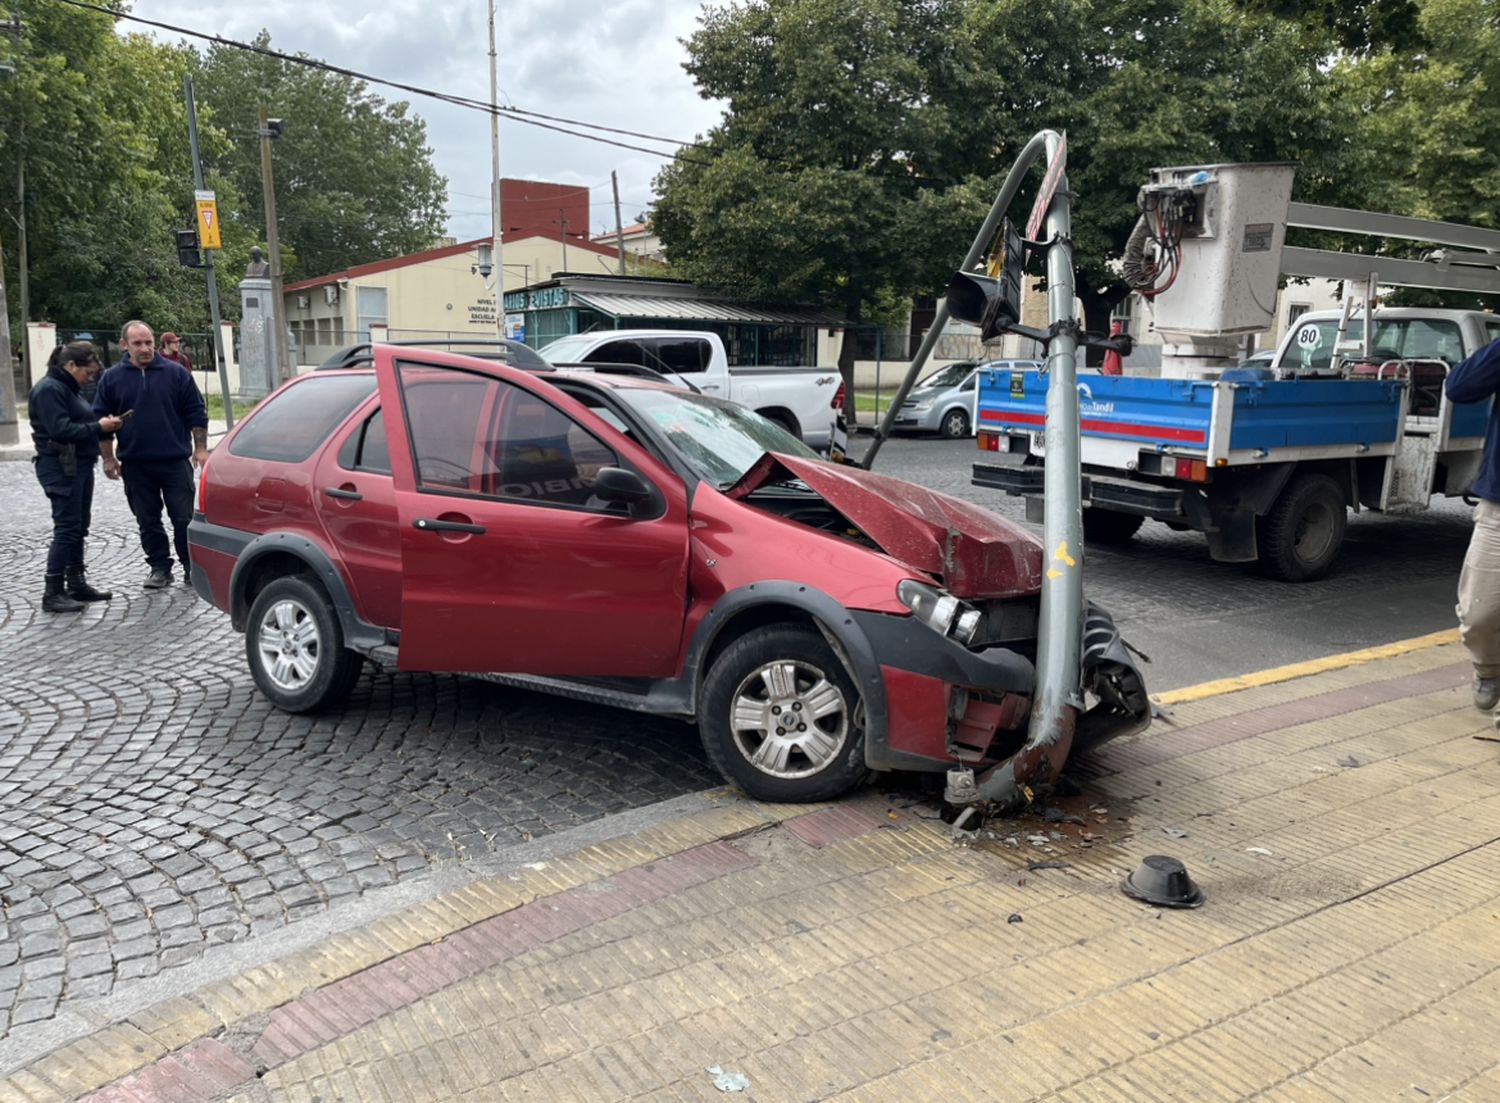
{"x":864,"y":139}
{"x":354,"y":175}
{"x":97,"y":123}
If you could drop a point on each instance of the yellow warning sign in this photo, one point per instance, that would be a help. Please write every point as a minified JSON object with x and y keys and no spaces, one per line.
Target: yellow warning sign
{"x":208,"y":219}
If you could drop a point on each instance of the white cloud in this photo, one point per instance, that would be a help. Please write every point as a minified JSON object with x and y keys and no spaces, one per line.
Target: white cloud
{"x":612,"y":62}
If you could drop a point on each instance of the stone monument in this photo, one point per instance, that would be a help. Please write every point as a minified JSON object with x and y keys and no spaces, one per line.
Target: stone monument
{"x":258,"y":318}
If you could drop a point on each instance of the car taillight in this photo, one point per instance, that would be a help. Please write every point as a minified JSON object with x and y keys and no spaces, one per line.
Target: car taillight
{"x":838,"y":397}
{"x":1192,"y":470}
{"x":203,"y":489}
{"x":988,"y":442}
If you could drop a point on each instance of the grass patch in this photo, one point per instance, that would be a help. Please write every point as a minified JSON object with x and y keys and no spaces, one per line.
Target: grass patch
{"x":215,"y":404}
{"x":872,"y":401}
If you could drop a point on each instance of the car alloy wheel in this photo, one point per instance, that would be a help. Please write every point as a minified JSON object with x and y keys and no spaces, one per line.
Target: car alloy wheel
{"x":789,"y":721}
{"x":289,"y":645}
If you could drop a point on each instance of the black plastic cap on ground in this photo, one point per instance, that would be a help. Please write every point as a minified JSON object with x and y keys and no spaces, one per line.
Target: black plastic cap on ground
{"x":1162,"y":880}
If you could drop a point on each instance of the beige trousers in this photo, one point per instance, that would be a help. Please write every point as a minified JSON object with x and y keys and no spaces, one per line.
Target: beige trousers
{"x":1479,"y":592}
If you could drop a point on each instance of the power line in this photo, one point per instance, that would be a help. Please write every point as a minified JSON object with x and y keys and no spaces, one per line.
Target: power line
{"x":515,"y":113}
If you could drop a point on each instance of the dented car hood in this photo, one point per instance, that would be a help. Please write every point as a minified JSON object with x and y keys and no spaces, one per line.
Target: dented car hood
{"x":973,"y":553}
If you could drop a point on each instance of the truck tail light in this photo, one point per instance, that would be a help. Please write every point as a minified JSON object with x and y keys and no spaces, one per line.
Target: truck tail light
{"x":838,"y":397}
{"x":1192,"y":470}
{"x":988,"y":442}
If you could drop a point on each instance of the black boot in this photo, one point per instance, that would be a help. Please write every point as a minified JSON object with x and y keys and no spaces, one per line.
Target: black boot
{"x":56,"y":600}
{"x":80,"y":590}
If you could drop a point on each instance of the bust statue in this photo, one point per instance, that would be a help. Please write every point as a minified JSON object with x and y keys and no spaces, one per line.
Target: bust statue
{"x":257,"y":269}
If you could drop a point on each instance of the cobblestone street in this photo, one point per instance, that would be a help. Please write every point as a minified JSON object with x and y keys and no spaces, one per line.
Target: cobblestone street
{"x":153,"y":805}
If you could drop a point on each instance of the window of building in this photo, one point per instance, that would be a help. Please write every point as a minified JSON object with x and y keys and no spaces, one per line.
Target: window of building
{"x":371,"y":309}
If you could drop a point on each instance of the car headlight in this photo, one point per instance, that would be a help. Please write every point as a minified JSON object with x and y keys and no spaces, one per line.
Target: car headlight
{"x":942,"y":612}
{"x":923,"y":406}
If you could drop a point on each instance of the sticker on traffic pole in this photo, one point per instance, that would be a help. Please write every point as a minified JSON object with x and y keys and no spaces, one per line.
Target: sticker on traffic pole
{"x":208,"y":219}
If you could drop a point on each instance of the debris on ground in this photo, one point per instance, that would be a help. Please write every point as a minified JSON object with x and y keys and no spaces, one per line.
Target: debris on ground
{"x":1174,"y":832}
{"x":1349,"y":762}
{"x":1257,"y":850}
{"x":728,"y":1081}
{"x":1032,"y":863}
{"x":1014,"y":917}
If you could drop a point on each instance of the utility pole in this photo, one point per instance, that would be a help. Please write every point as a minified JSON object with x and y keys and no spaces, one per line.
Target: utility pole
{"x":614,"y":182}
{"x":10,"y":428}
{"x":562,"y":222}
{"x":221,"y":357}
{"x":273,"y":244}
{"x":495,"y":235}
{"x":9,"y":416}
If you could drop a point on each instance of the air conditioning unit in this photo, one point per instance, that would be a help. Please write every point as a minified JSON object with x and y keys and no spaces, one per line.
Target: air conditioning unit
{"x":331,"y":294}
{"x":304,"y":301}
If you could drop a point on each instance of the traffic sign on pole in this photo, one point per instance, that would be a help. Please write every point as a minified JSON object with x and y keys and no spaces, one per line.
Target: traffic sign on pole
{"x":208,"y":219}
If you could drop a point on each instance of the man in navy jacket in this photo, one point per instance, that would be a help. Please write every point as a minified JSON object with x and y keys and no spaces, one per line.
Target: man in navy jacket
{"x":1475,"y":380}
{"x":159,"y":444}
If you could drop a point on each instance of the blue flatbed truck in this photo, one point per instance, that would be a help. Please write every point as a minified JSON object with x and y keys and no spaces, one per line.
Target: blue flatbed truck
{"x":1266,"y":462}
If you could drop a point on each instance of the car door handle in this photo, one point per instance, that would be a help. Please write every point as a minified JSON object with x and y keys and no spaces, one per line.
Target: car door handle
{"x":429,"y":525}
{"x":341,"y":492}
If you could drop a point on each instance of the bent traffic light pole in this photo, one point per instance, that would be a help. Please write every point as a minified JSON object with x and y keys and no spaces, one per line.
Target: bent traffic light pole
{"x":1058,"y":700}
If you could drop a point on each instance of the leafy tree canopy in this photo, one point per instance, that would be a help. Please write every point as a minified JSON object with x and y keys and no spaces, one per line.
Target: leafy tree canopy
{"x":354,"y":175}
{"x":864,"y":139}
{"x":99,"y":124}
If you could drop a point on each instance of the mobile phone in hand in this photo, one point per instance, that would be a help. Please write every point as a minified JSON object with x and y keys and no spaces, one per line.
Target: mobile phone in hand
{"x":127,"y":415}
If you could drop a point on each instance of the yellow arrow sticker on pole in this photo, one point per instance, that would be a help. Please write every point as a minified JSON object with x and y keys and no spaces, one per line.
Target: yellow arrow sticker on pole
{"x":208,"y":219}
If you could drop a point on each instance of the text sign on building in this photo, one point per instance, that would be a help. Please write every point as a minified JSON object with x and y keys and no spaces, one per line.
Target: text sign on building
{"x":208,"y":219}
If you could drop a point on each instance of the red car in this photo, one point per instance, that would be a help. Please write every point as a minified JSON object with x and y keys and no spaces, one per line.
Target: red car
{"x":614,"y":539}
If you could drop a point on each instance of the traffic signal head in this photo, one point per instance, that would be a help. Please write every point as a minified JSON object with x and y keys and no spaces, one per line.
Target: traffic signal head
{"x":273,"y":128}
{"x":187,"y":249}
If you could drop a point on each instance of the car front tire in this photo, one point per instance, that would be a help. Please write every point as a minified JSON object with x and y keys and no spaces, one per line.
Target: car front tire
{"x":955,"y":425}
{"x":296,"y":648}
{"x":781,"y":719}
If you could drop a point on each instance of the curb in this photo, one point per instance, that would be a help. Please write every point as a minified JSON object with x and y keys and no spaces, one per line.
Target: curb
{"x":1287,"y":673}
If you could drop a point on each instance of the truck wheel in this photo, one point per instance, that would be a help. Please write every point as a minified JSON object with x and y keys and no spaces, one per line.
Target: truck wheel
{"x":780,"y":717}
{"x":955,"y":424}
{"x":1105,"y":526}
{"x":296,"y":648}
{"x":785,"y":420}
{"x":1301,"y":536}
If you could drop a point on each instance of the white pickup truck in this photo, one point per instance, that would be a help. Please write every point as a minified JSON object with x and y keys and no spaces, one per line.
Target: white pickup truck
{"x":804,"y":401}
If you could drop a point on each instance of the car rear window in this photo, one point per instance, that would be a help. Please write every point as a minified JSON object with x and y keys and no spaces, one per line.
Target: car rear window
{"x":289,"y":426}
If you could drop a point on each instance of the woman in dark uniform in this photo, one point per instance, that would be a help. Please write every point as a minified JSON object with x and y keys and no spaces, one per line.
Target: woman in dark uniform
{"x":66,"y":434}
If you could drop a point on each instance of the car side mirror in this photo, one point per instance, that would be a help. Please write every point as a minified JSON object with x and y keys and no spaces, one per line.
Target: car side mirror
{"x":616,"y":486}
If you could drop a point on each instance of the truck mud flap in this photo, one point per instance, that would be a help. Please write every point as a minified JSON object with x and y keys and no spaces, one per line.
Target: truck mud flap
{"x":1112,"y":680}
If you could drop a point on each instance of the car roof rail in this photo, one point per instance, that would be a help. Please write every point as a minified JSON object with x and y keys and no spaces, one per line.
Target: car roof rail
{"x":359,"y":355}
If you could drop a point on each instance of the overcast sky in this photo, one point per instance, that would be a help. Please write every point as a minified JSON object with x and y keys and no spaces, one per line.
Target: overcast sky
{"x":613,"y":62}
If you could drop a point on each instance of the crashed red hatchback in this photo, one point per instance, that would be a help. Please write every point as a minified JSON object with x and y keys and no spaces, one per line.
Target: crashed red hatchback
{"x":614,"y":539}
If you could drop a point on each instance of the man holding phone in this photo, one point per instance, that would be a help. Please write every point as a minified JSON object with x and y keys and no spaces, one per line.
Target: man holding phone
{"x":162,"y":437}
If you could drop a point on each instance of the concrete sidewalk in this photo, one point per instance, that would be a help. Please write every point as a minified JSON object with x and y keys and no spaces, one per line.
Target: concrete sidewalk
{"x":1344,"y":824}
{"x":23,"y":449}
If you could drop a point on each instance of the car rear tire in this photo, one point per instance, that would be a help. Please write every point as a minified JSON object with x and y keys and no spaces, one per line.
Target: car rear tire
{"x":1105,"y":526}
{"x":955,"y":425}
{"x":296,"y":648}
{"x":1301,"y":536}
{"x":781,"y":719}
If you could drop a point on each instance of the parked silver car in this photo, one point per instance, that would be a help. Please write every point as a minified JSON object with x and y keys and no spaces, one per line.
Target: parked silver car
{"x":944,"y":401}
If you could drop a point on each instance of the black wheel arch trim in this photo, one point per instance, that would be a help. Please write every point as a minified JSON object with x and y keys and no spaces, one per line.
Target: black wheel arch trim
{"x":358,"y":634}
{"x":839,"y":626}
